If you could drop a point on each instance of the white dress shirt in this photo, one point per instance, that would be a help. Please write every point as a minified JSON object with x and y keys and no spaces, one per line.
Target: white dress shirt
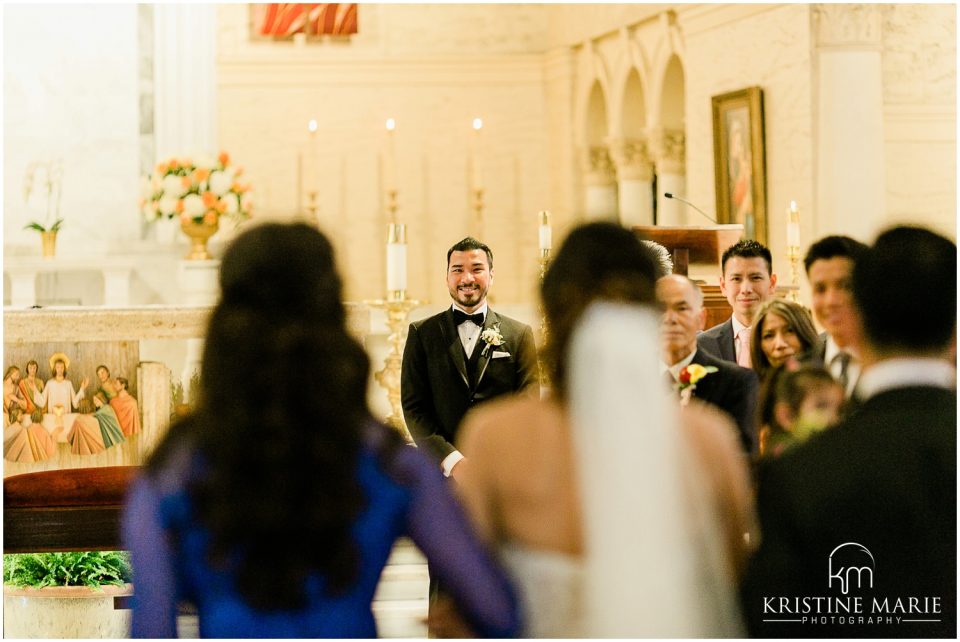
{"x":469,"y":333}
{"x":675,"y":369}
{"x":833,"y":364}
{"x":906,"y":372}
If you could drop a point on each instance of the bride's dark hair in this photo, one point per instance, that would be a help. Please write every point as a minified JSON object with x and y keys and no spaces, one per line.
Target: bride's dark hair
{"x":277,"y":426}
{"x":596,"y":261}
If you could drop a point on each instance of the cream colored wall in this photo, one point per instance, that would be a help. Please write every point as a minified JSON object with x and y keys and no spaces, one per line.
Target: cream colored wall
{"x":432,"y":68}
{"x":920,"y":117}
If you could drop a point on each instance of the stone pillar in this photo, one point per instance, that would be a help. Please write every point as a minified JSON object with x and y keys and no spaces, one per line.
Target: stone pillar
{"x":601,"y":185}
{"x":634,"y":181}
{"x":185,"y":79}
{"x":153,"y":387}
{"x":670,"y":152}
{"x":851,"y":182}
{"x":198,"y":286}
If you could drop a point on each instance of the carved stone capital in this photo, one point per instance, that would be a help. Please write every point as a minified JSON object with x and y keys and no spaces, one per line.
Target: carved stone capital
{"x":846,"y":25}
{"x":632,"y":158}
{"x":669,"y":146}
{"x":598,"y":166}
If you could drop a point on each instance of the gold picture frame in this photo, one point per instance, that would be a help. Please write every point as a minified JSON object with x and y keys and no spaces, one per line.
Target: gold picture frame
{"x":740,"y":161}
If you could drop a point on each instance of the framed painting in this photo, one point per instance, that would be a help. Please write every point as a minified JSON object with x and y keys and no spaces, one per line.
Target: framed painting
{"x":740,"y":161}
{"x":282,"y":21}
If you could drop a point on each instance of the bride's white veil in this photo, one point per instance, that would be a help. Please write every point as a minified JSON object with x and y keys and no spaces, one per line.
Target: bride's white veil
{"x":654,"y":559}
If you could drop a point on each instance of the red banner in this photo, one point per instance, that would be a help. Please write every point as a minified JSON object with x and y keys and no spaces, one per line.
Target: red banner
{"x":282,"y":20}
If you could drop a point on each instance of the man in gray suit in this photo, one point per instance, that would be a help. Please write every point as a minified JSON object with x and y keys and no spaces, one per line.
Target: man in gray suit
{"x":748,"y":281}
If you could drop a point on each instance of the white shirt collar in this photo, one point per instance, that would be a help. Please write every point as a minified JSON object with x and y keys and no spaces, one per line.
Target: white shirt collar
{"x":481,"y":310}
{"x":904,"y":373}
{"x":832,"y":350}
{"x":737,"y":326}
{"x":678,"y":366}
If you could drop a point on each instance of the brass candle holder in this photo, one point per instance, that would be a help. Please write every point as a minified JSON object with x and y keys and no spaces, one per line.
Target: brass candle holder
{"x":398,"y":308}
{"x":391,"y":205}
{"x":793,"y":255}
{"x":313,"y":209}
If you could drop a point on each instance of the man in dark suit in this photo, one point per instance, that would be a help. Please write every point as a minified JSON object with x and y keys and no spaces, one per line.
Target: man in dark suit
{"x":732,"y":388}
{"x":867,"y":510}
{"x":829,"y":264}
{"x":748,"y":281}
{"x":462,"y":356}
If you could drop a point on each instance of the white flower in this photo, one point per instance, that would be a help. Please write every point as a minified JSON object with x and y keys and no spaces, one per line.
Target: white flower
{"x":193,"y":205}
{"x":220,"y":183}
{"x":156,"y":182}
{"x":167,"y":205}
{"x":149,"y":211}
{"x":173,"y":186}
{"x":232,"y":203}
{"x":492,"y":336}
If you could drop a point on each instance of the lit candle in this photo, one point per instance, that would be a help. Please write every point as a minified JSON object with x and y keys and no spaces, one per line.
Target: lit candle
{"x":311,"y":171}
{"x":389,"y":161}
{"x":793,"y":225}
{"x":396,"y":257}
{"x":476,"y":173}
{"x":546,"y":233}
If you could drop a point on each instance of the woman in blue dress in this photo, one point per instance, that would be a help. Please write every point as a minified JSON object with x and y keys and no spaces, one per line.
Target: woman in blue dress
{"x":273,"y":507}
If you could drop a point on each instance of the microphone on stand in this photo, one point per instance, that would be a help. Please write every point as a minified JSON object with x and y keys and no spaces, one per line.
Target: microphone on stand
{"x":686,"y":202}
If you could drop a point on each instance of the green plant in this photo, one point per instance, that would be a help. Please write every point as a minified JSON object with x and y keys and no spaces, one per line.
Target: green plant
{"x":33,"y":225}
{"x":81,"y":568}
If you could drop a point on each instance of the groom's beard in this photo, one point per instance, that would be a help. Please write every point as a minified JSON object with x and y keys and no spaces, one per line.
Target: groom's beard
{"x":469,"y":296}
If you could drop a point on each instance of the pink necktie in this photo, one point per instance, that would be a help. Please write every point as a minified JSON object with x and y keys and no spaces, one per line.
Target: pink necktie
{"x":743,"y":338}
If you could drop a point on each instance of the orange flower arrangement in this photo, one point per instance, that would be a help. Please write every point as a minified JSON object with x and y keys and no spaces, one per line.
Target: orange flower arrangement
{"x":201,"y":191}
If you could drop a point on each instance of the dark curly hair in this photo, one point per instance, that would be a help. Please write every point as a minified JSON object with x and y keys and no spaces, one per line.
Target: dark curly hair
{"x":596,"y":261}
{"x":278,"y":421}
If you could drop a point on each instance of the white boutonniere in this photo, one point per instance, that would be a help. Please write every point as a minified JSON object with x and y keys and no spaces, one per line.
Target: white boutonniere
{"x":492,"y":337}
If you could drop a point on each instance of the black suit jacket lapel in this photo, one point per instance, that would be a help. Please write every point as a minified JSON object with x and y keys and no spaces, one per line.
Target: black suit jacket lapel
{"x":456,"y":346}
{"x":485,"y":349}
{"x":728,"y":348}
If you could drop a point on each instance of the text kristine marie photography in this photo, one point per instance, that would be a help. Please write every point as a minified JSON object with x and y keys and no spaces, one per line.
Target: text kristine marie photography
{"x":851,"y":567}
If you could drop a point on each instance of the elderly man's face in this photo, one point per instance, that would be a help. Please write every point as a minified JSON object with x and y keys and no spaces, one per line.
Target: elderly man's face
{"x":683,"y":315}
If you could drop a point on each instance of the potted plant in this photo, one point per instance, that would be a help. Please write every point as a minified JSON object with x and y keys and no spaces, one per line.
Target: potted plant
{"x":48,"y":231}
{"x":65,"y":595}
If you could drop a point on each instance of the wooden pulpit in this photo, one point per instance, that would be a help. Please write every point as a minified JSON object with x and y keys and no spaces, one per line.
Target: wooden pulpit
{"x":702,"y":247}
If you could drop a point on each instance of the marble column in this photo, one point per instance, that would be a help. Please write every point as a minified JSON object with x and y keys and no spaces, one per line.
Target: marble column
{"x":670,"y":153}
{"x":851,"y":182}
{"x":634,"y":180}
{"x":185,"y":80}
{"x":601,"y":185}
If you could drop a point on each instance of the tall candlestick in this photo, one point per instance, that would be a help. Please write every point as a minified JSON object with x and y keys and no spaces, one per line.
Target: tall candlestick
{"x":476,"y":172}
{"x":546,"y":232}
{"x":396,"y":258}
{"x":389,"y":159}
{"x":312,"y":172}
{"x":793,"y":225}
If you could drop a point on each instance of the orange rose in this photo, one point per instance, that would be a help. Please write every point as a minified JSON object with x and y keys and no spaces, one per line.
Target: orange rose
{"x":210,"y":217}
{"x":161,"y":169}
{"x":173,"y":163}
{"x":184,"y":217}
{"x":209,"y":199}
{"x":201,"y":174}
{"x":221,"y":207}
{"x":185,"y":181}
{"x":224,"y":158}
{"x":179,"y":206}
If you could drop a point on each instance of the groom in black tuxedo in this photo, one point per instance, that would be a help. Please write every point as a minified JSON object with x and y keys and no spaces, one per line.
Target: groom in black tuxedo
{"x":462,"y":356}
{"x":868,"y":508}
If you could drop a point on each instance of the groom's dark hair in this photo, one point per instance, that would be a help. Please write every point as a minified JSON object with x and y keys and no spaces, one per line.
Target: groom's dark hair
{"x":469,"y":244}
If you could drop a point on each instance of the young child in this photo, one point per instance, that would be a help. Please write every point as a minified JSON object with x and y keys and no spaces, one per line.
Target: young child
{"x":796,"y":402}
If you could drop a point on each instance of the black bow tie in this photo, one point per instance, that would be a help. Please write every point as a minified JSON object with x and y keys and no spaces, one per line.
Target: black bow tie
{"x":459,"y":317}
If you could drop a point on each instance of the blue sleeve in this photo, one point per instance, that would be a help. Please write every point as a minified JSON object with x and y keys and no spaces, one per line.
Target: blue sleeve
{"x":154,"y":581}
{"x":467,"y":571}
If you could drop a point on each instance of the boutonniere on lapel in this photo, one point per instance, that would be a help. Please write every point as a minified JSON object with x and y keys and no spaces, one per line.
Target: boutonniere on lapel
{"x":688,"y":379}
{"x":492,"y":337}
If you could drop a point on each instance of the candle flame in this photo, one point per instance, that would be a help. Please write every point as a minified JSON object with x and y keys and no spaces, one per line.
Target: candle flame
{"x":477,"y":123}
{"x":793,"y":205}
{"x":391,"y":124}
{"x":312,"y":126}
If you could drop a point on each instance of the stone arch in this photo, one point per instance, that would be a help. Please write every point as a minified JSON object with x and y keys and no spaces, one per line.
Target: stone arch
{"x":633,"y":106}
{"x":672,"y":95}
{"x":596,"y":126}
